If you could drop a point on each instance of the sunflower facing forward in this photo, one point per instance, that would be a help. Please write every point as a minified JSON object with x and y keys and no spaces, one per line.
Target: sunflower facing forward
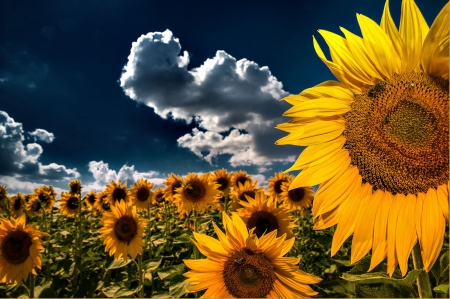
{"x":20,"y":245}
{"x":223,"y":178}
{"x":117,"y":192}
{"x":240,"y":177}
{"x":102,"y":204}
{"x":43,"y":199}
{"x":276,"y":182}
{"x":195,"y":193}
{"x":17,"y":204}
{"x":91,"y":198}
{"x":296,"y":199}
{"x":141,"y":194}
{"x":172,"y":183}
{"x":122,"y":231}
{"x":377,"y":142}
{"x":241,"y":265}
{"x":68,"y":204}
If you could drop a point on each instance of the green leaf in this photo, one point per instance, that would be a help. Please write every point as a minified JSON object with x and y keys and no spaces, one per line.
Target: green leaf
{"x":160,"y":294}
{"x":381,"y":277}
{"x":441,"y":289}
{"x":119,"y":264}
{"x":169,"y":272}
{"x":383,"y":291}
{"x":45,"y":291}
{"x":111,"y":290}
{"x":125,"y":292}
{"x":152,"y":265}
{"x":184,"y":238}
{"x":178,"y":286}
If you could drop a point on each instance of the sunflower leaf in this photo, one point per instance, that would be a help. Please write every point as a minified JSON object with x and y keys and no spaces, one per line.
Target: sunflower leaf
{"x":151,"y":265}
{"x":169,"y":272}
{"x":184,"y":238}
{"x":441,"y":289}
{"x":119,"y":264}
{"x":382,"y":277}
{"x":178,"y":286}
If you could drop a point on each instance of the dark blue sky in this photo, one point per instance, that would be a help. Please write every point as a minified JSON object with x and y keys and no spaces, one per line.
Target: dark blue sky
{"x":62,"y":71}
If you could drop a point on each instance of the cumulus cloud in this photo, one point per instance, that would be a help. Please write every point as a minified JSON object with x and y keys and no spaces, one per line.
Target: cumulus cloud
{"x":17,"y":158}
{"x":17,"y":184}
{"x":103,"y":175}
{"x":221,"y":95}
{"x":42,"y":135}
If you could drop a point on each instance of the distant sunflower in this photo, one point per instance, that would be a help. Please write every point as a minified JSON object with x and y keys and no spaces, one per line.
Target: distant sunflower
{"x":195,"y":193}
{"x":17,"y":204}
{"x":20,"y":246}
{"x":42,"y":199}
{"x":241,"y":265}
{"x":222,"y":178}
{"x":91,"y":198}
{"x":240,"y":177}
{"x":298,"y":198}
{"x":102,"y":205}
{"x":3,"y":198}
{"x":249,"y":188}
{"x":172,"y":183}
{"x":68,"y":204}
{"x":262,"y":214}
{"x":117,"y":192}
{"x":122,"y":231}
{"x":141,"y":194}
{"x":75,"y":187}
{"x":378,"y":142}
{"x":276,"y":182}
{"x":158,"y":195}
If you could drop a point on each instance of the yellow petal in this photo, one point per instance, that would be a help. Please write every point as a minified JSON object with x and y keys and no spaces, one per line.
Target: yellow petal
{"x":314,"y":133}
{"x":392,"y":228}
{"x":327,"y":219}
{"x":318,"y":107}
{"x":379,"y":248}
{"x":442,"y":196}
{"x":204,"y":265}
{"x":405,"y":235}
{"x":329,"y":89}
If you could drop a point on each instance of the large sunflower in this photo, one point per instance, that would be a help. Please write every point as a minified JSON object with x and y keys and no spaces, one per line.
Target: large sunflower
{"x":117,"y":192}
{"x":17,"y":204}
{"x":68,"y":204}
{"x":43,"y":199}
{"x":262,"y":214}
{"x":276,"y":182}
{"x":172,"y":183}
{"x":195,"y":193}
{"x":141,"y":194}
{"x":20,"y":246}
{"x":296,"y":199}
{"x":241,"y":265}
{"x":122,"y":231}
{"x":377,"y":143}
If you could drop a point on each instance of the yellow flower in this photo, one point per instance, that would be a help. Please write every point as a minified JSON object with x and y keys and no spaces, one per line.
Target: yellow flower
{"x":249,"y":188}
{"x":102,"y":204}
{"x":222,"y":178}
{"x":195,"y":193}
{"x":122,"y":231}
{"x":91,"y":198}
{"x":17,"y":204}
{"x":262,"y":214}
{"x":68,"y":204}
{"x":172,"y":183}
{"x":141,"y":194}
{"x":20,"y":246}
{"x":275,"y":184}
{"x":42,"y":199}
{"x":117,"y":192}
{"x":75,"y":187}
{"x":158,"y":196}
{"x":240,"y":177}
{"x":241,"y":265}
{"x":296,"y":199}
{"x":3,"y":198}
{"x":377,"y":142}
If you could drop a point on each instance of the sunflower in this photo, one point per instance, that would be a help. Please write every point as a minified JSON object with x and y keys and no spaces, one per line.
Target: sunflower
{"x":141,"y":194}
{"x":117,"y":192}
{"x":91,"y":198}
{"x":195,"y":193}
{"x":296,"y":199}
{"x":75,"y":187}
{"x":122,"y":231}
{"x":261,"y":213}
{"x":249,"y":188}
{"x":241,"y":265}
{"x":68,"y":204}
{"x":377,"y":142}
{"x":223,"y":178}
{"x":3,"y":198}
{"x":102,"y":204}
{"x":275,"y":184}
{"x":42,"y":199}
{"x":239,"y":177}
{"x":17,"y":204}
{"x":158,"y":195}
{"x":172,"y":183}
{"x":20,"y":246}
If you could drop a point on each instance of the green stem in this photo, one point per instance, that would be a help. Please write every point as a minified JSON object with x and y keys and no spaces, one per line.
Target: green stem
{"x":150,"y":249}
{"x":423,"y":281}
{"x":31,"y":285}
{"x":141,"y":277}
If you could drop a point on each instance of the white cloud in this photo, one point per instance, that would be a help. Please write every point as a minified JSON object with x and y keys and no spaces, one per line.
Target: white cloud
{"x":42,"y":135}
{"x":17,"y":158}
{"x":221,"y":94}
{"x":261,"y":179}
{"x":17,"y":184}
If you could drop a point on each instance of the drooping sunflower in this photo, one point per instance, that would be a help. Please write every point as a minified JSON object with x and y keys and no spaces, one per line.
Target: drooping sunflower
{"x":262,"y":214}
{"x":195,"y":193}
{"x":91,"y":198}
{"x":296,"y":199}
{"x":122,"y":231}
{"x":102,"y":204}
{"x":172,"y":183}
{"x":240,"y":177}
{"x":249,"y":188}
{"x":75,"y":187}
{"x":17,"y":204}
{"x":241,"y":265}
{"x":42,"y":199}
{"x":141,"y":194}
{"x":223,"y":178}
{"x":117,"y":192}
{"x":68,"y":204}
{"x":378,"y":141}
{"x":275,"y":184}
{"x":20,"y":249}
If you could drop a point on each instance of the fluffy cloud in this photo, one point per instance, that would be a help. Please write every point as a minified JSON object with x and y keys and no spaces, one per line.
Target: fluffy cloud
{"x":42,"y":135}
{"x":22,"y":159}
{"x":103,"y":175}
{"x":17,"y":184}
{"x":222,"y":94}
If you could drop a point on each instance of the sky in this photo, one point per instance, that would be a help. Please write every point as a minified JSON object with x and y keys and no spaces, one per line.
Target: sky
{"x":107,"y":90}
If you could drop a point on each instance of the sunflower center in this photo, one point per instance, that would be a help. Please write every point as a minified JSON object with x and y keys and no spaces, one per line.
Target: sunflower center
{"x":142,"y":194}
{"x":397,"y":133}
{"x":296,"y":195}
{"x":16,"y":247}
{"x":91,"y":198}
{"x":17,"y":204}
{"x":105,"y":206}
{"x":248,"y":193}
{"x":72,"y":203}
{"x":195,"y":191}
{"x":125,"y":229}
{"x":223,"y":183}
{"x":159,"y":198}
{"x":241,"y":180}
{"x":119,"y":194}
{"x":248,"y":274}
{"x":176,"y":185}
{"x":263,"y":222}
{"x":277,"y":186}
